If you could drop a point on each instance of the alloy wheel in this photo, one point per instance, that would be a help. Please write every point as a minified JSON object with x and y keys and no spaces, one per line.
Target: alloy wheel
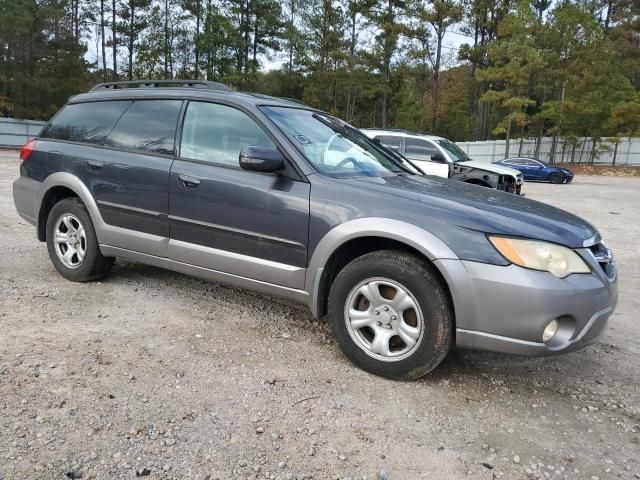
{"x":384,"y":319}
{"x":70,"y":241}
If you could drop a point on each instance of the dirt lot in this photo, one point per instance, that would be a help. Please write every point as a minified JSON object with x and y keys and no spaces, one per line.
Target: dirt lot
{"x":172,"y":377}
{"x":608,"y":170}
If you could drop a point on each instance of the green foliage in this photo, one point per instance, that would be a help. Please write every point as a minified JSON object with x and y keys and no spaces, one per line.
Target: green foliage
{"x":530,"y":68}
{"x":41,"y":58}
{"x":515,"y":58}
{"x":625,"y":118}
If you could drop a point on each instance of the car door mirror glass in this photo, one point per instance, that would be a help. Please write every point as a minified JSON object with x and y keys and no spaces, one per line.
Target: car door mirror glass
{"x":261,"y":159}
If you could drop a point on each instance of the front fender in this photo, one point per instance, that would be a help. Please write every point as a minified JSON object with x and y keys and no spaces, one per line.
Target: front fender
{"x":418,"y":238}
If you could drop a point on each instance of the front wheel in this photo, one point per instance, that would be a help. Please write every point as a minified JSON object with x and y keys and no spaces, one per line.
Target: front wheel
{"x":391,"y":315}
{"x":556,"y":177}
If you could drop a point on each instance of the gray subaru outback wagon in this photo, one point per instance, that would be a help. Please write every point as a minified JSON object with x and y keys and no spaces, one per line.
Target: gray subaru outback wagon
{"x":274,"y":196}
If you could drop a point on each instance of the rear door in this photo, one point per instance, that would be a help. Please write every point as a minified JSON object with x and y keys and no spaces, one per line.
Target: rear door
{"x":221,"y":217}
{"x":132,"y":188}
{"x":420,"y":151}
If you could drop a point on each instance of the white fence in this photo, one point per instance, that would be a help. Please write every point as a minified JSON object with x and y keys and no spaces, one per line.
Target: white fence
{"x":15,"y":133}
{"x":627,"y":152}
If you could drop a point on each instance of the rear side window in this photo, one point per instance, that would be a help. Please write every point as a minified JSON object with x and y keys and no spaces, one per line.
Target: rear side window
{"x":86,"y":122}
{"x":217,"y":133}
{"x":148,"y":125}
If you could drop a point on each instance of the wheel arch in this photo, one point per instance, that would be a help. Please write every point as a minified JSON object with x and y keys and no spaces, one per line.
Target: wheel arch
{"x":62,"y":185}
{"x":477,"y":181}
{"x":358,"y":237}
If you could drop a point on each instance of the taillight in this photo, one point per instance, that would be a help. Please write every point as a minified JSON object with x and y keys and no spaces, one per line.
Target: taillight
{"x":27,"y":148}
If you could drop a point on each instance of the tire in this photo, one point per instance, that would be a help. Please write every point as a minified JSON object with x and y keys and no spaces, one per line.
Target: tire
{"x":70,"y":219}
{"x":425,"y":309}
{"x":556,"y":177}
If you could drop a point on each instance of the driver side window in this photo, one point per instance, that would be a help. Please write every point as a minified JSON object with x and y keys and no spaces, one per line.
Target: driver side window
{"x":390,"y":141}
{"x":421,"y":150}
{"x":217,"y":133}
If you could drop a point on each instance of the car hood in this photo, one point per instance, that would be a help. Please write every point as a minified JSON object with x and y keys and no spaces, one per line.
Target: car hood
{"x":490,"y":167}
{"x":483,"y":209}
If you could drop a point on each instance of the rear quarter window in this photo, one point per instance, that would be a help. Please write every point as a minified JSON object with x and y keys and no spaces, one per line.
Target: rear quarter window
{"x":86,"y":122}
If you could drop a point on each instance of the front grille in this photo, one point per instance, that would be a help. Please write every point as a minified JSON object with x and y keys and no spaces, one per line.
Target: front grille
{"x":604,"y":257}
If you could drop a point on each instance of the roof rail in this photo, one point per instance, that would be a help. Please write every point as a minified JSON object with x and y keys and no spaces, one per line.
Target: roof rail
{"x":271,"y":97}
{"x":398,"y":130}
{"x":161,"y":83}
{"x":294,"y":100}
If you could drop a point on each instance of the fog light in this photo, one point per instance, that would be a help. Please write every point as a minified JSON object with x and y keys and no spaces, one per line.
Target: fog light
{"x":550,"y":330}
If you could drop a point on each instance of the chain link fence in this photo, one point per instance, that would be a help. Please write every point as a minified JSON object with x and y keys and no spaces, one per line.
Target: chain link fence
{"x":626,"y":151}
{"x":15,"y":133}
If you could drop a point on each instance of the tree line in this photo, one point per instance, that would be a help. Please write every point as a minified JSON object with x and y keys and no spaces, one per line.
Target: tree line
{"x":529,"y":68}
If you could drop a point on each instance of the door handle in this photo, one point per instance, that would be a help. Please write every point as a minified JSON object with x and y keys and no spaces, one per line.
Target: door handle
{"x":188,"y":181}
{"x":94,"y":165}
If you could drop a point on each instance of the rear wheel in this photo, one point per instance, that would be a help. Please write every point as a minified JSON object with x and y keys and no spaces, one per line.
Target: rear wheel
{"x":556,"y":177}
{"x":72,"y":242}
{"x":390,"y":314}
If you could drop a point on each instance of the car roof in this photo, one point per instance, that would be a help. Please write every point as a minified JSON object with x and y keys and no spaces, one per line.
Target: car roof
{"x":401,"y":133}
{"x":203,"y":91}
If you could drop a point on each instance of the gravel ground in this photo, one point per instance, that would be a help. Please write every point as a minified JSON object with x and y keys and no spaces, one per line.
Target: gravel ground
{"x":157,"y":374}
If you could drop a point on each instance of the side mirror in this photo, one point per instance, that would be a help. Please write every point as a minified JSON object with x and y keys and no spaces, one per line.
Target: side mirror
{"x":261,"y":159}
{"x":438,"y":158}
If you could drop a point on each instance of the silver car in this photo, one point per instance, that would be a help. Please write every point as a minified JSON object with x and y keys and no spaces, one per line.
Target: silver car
{"x":443,"y":158}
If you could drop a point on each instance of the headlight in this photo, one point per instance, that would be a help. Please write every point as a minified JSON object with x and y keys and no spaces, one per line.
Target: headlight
{"x":549,"y":257}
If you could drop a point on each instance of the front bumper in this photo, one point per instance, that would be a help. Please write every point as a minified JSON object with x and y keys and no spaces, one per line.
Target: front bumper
{"x":510,"y":185}
{"x":506,"y":309}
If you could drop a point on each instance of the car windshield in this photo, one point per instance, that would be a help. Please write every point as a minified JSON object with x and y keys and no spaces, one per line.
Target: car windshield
{"x":333,"y":147}
{"x":454,"y":151}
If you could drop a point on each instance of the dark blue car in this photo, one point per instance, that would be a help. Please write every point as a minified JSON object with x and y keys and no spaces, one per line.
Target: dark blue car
{"x":538,"y":171}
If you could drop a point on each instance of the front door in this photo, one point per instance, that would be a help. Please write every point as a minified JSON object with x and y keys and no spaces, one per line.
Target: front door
{"x":221,"y":217}
{"x":536,"y":170}
{"x":530,"y":169}
{"x":420,"y":152}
